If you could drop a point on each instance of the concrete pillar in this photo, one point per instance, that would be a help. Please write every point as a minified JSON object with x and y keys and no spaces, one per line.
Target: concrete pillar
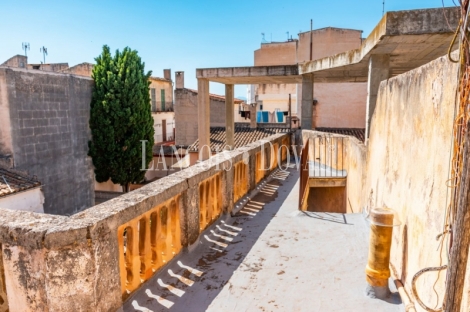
{"x":253,"y":124}
{"x":229,"y":116}
{"x":179,"y":78}
{"x":379,"y":70}
{"x":203,"y":117}
{"x":307,"y":102}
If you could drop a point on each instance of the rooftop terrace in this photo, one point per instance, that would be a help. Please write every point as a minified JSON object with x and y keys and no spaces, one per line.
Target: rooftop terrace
{"x":269,"y":257}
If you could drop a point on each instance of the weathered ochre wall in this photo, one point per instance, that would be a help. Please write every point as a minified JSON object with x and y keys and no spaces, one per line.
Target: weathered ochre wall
{"x":408,"y":166}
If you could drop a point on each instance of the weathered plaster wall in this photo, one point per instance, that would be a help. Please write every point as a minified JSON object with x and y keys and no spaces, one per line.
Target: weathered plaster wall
{"x":356,"y":154}
{"x":158,"y":119}
{"x":83,"y":69}
{"x":49,"y":115}
{"x":408,"y":165}
{"x":53,"y":67}
{"x":29,"y":200}
{"x":19,"y":61}
{"x":162,"y":84}
{"x":186,"y":122}
{"x":6,"y":143}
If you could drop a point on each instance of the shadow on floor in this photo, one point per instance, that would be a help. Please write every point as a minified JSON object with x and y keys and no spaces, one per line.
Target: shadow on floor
{"x":193,"y":279}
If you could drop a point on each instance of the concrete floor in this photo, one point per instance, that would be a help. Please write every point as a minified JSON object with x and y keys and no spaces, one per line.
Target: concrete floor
{"x":269,"y":257}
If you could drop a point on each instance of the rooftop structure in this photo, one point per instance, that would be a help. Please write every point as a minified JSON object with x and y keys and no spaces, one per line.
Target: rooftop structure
{"x":233,"y":232}
{"x":402,"y":40}
{"x":13,"y":181}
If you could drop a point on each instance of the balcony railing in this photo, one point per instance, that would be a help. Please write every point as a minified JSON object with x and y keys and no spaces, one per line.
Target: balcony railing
{"x":326,"y":158}
{"x":93,"y":260}
{"x":160,"y":107}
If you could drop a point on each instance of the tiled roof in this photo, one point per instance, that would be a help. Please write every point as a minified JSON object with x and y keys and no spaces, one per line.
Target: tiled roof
{"x":217,"y":97}
{"x":159,"y":79}
{"x":12,"y":181}
{"x":358,"y":133}
{"x":243,"y":136}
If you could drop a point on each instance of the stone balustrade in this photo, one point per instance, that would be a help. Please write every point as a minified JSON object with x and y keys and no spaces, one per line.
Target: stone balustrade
{"x":95,"y":259}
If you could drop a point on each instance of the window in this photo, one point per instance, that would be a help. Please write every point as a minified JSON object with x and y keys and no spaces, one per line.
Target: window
{"x":163,"y":99}
{"x":152,"y":97}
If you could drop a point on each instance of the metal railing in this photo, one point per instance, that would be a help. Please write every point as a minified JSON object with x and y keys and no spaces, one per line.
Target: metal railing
{"x":326,"y":157}
{"x":159,"y":107}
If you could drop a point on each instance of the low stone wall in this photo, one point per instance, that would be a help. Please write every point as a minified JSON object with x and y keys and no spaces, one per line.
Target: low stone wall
{"x":76,"y":263}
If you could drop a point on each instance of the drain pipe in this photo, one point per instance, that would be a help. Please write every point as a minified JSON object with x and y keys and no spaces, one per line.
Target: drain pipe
{"x":405,"y":298}
{"x":377,"y":269}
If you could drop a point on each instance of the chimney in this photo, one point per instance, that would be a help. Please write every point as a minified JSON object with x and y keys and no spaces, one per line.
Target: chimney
{"x":179,"y":78}
{"x":167,"y":74}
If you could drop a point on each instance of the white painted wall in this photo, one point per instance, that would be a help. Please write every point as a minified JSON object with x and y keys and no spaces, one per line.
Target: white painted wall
{"x":158,"y":118}
{"x":30,"y":200}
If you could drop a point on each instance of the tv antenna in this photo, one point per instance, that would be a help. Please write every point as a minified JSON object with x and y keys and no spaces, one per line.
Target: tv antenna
{"x":263,"y":40}
{"x":383,"y":7}
{"x":44,"y":53}
{"x":25,"y":48}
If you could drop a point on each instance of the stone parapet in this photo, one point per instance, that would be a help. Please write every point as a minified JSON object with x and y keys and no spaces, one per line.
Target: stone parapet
{"x":79,"y":262}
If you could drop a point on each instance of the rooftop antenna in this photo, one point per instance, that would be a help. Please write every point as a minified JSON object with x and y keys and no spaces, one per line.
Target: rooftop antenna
{"x":287,"y":36}
{"x":25,"y":48}
{"x":44,"y":53}
{"x":383,"y":7}
{"x":263,"y":40}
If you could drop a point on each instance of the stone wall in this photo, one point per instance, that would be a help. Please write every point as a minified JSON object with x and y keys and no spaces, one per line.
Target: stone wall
{"x":83,"y":69}
{"x":57,"y":263}
{"x":18,"y":61}
{"x":186,"y":122}
{"x":48,"y":134}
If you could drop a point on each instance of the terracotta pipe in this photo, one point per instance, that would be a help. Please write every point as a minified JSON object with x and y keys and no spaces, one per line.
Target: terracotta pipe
{"x":377,"y":269}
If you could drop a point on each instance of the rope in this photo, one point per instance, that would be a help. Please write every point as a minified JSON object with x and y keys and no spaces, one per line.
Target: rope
{"x":452,"y":43}
{"x":415,"y":292}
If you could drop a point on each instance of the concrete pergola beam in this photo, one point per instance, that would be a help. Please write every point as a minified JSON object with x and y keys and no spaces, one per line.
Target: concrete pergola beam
{"x":411,"y":38}
{"x":252,"y":74}
{"x":407,"y":39}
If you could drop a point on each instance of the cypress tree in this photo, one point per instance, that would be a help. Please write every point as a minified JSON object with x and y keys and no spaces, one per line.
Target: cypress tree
{"x":120,"y":117}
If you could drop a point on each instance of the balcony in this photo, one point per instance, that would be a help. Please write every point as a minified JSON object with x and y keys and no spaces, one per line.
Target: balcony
{"x":162,"y":107}
{"x":225,"y":234}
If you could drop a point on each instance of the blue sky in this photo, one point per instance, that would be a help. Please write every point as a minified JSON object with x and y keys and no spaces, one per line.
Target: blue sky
{"x":177,"y":34}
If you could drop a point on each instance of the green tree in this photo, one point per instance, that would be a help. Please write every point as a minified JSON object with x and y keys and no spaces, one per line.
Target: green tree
{"x":120,"y":118}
